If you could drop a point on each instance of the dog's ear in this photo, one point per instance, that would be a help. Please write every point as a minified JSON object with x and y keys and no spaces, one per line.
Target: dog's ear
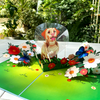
{"x":57,"y":31}
{"x":43,"y":33}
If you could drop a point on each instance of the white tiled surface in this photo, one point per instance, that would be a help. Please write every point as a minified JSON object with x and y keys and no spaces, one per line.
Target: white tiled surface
{"x":65,"y":50}
{"x":4,"y":95}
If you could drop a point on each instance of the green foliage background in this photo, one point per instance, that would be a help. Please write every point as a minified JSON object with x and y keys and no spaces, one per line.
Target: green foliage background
{"x":75,"y":15}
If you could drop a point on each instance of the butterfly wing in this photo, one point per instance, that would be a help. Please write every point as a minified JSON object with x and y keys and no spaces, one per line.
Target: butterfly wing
{"x":21,"y":59}
{"x":83,"y":55}
{"x":80,"y":51}
{"x":24,"y":58}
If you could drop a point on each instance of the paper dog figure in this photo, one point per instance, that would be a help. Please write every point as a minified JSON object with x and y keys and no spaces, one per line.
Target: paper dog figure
{"x":50,"y":48}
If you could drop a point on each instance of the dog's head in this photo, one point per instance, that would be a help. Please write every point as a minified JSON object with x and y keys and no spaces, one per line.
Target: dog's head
{"x":50,"y":34}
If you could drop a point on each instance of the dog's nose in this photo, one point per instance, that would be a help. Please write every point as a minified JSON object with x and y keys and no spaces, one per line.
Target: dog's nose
{"x":52,"y":34}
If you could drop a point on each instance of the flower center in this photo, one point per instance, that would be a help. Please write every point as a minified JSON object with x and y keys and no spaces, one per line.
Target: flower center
{"x":14,"y":50}
{"x":71,"y":72}
{"x":96,"y":70}
{"x":51,"y":65}
{"x":91,"y":60}
{"x":24,"y":46}
{"x":30,"y":54}
{"x":15,"y":58}
{"x":63,"y":61}
{"x":6,"y":55}
{"x":86,"y":47}
{"x":71,"y":62}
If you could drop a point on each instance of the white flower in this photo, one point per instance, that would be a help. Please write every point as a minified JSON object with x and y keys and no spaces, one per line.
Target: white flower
{"x":72,"y":72}
{"x":24,"y":46}
{"x":6,"y":55}
{"x":91,"y":61}
{"x":30,"y":53}
{"x":32,"y":41}
{"x":85,"y":45}
{"x":14,"y":59}
{"x":96,"y":71}
{"x":46,"y":75}
{"x":91,"y":8}
{"x":93,"y":87}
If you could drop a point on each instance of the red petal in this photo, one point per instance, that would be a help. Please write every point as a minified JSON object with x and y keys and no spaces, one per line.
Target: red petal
{"x":37,"y":69}
{"x":69,"y":80}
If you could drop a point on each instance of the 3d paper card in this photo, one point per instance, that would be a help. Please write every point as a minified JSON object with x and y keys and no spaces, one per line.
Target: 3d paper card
{"x":50,"y":48}
{"x":52,"y":39}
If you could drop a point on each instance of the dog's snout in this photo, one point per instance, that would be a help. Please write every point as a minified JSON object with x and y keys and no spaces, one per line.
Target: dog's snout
{"x":53,"y":34}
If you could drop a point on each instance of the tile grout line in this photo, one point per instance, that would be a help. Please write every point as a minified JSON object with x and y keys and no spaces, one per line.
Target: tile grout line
{"x":30,"y":84}
{"x":2,"y":94}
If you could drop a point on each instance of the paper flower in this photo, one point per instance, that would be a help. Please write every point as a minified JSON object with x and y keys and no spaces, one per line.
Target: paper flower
{"x":96,"y":71}
{"x":85,"y":45}
{"x":13,"y":50}
{"x":91,"y":61}
{"x":69,"y":80}
{"x":72,"y":62}
{"x":6,"y":55}
{"x":72,"y":72}
{"x":34,"y":46}
{"x":30,"y":53}
{"x":89,"y":51}
{"x":63,"y":61}
{"x":71,"y":56}
{"x":51,"y":65}
{"x":84,"y":71}
{"x":24,"y":46}
{"x":14,"y":66}
{"x":32,"y":41}
{"x":46,"y":75}
{"x":93,"y":87}
{"x":14,"y":59}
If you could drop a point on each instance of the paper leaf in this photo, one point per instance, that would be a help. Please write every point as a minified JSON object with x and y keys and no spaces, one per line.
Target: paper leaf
{"x":79,"y":74}
{"x":88,"y":71}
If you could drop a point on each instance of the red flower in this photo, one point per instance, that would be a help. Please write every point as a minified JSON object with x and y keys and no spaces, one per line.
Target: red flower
{"x":34,"y":46}
{"x":14,"y":65}
{"x":72,"y":62}
{"x":69,"y":80}
{"x":84,"y":71}
{"x":51,"y":65}
{"x":37,"y":69}
{"x":89,"y":51}
{"x":13,"y":50}
{"x":63,"y":61}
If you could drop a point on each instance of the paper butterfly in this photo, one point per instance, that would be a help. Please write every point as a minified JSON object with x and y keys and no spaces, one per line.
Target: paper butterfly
{"x":25,"y":58}
{"x":81,"y":52}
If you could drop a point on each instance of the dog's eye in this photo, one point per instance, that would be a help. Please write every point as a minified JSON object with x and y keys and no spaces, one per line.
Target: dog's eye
{"x":49,"y":32}
{"x":54,"y":31}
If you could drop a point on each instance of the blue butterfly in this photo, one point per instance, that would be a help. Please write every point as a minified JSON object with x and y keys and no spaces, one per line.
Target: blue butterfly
{"x":25,"y":58}
{"x":81,"y":52}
